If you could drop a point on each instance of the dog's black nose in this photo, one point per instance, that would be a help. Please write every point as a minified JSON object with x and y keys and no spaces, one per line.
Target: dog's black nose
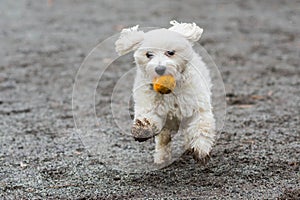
{"x":160,"y":70}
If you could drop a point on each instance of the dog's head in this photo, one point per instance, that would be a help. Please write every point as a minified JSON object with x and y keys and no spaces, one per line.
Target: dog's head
{"x":161,"y":51}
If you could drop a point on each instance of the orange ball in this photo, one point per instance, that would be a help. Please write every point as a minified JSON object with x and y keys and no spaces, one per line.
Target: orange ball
{"x":164,"y":84}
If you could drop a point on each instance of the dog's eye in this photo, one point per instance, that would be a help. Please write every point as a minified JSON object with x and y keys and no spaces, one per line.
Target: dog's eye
{"x":170,"y":53}
{"x":149,"y":54}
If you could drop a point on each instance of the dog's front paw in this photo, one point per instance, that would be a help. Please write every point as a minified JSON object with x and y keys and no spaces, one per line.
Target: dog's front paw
{"x":143,"y":130}
{"x":162,"y":156}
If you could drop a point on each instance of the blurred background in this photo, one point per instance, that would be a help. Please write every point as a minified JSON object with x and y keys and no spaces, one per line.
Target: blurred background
{"x":256,"y":46}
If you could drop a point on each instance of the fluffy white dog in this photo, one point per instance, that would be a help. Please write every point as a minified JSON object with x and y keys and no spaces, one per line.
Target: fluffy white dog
{"x":169,"y":52}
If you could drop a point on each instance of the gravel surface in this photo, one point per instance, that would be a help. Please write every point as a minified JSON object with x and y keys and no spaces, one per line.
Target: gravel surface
{"x":256,"y":45}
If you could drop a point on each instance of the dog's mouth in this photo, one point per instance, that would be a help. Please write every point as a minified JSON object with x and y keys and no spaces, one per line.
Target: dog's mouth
{"x":164,"y":84}
{"x":161,"y":91}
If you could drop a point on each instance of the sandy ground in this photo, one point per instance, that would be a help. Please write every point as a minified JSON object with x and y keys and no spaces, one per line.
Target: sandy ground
{"x":257,"y":47}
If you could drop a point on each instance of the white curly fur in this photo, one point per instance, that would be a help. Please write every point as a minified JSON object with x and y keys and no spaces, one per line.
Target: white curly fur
{"x":129,"y":40}
{"x":191,"y":32}
{"x":190,"y":102}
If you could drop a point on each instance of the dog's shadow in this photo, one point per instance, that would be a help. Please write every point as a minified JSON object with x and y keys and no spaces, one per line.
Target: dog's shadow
{"x":184,"y":171}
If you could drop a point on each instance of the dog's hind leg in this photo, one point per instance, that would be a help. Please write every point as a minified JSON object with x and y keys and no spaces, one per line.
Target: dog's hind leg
{"x":201,"y":135}
{"x":163,"y":152}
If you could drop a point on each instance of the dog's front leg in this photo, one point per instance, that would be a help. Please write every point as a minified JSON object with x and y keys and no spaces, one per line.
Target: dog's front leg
{"x":146,"y":125}
{"x":201,"y":135}
{"x":149,"y":125}
{"x":163,"y":152}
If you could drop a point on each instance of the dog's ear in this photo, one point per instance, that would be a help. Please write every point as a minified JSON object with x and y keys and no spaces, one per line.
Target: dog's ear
{"x":129,"y":40}
{"x":190,"y":31}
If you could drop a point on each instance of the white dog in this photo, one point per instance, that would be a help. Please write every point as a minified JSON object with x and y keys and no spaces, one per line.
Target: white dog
{"x":169,"y":52}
